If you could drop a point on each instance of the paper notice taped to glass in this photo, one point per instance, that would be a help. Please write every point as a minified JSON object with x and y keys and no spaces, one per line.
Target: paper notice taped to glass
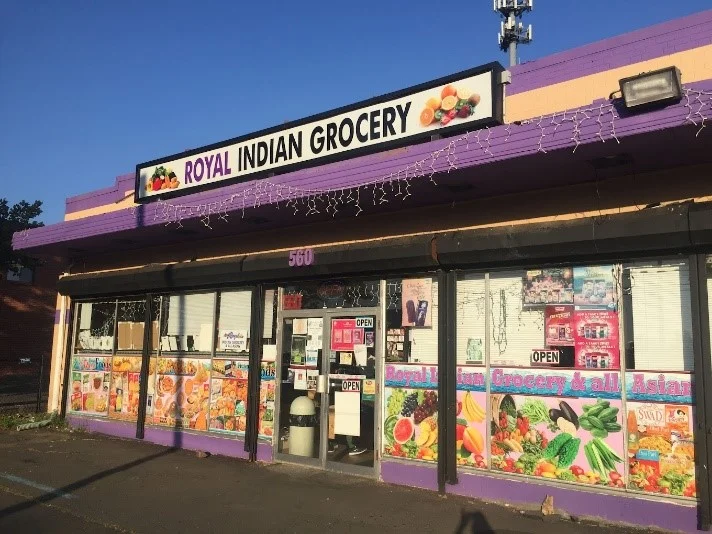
{"x":347,"y":413}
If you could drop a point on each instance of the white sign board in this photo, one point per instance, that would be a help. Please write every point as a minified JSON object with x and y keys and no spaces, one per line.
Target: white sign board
{"x":545,"y":357}
{"x":463,"y":101}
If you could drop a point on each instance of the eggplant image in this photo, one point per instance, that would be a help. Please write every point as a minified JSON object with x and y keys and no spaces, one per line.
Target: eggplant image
{"x":569,"y":414}
{"x":554,"y":414}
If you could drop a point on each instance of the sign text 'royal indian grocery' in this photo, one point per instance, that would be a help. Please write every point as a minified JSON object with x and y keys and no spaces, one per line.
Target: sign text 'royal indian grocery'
{"x":466,"y":101}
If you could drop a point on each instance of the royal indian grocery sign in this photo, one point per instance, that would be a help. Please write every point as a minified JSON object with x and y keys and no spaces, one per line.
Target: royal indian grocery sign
{"x":465,"y":101}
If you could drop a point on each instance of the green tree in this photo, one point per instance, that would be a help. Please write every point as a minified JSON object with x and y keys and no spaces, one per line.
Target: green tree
{"x":20,"y":216}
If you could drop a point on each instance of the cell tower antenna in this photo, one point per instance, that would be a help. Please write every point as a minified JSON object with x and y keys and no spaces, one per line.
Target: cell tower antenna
{"x":512,"y":31}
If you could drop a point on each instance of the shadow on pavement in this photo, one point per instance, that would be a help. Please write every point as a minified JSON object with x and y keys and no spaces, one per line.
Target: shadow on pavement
{"x":49,"y":496}
{"x":476,"y":523}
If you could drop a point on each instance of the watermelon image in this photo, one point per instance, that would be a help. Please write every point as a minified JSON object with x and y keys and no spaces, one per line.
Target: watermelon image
{"x":403,"y":430}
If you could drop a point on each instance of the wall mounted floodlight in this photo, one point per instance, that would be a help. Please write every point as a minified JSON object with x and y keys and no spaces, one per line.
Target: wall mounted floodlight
{"x":653,"y":88}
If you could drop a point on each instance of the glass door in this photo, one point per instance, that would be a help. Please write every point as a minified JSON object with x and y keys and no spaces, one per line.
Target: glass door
{"x":352,"y":392}
{"x":327,"y":394}
{"x":299,"y":391}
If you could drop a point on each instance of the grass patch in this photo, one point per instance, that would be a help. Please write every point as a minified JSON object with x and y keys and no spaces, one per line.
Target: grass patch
{"x":10,"y":421}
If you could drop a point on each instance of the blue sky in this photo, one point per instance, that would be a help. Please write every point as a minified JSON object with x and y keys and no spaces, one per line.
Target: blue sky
{"x":89,"y":89}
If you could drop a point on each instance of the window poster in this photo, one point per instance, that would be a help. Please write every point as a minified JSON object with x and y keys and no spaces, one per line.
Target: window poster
{"x":417,"y":302}
{"x":345,"y":334}
{"x":559,"y":326}
{"x":596,"y":339}
{"x":90,"y":385}
{"x":182,"y":393}
{"x":123,"y":395}
{"x":548,"y":286}
{"x":594,"y":287}
{"x":233,"y":341}
{"x":299,"y":350}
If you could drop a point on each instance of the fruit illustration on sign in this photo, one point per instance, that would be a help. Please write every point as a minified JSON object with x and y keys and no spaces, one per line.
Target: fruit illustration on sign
{"x":472,"y":411}
{"x":403,"y":430}
{"x":473,"y":441}
{"x":453,"y":102}
{"x":162,"y":178}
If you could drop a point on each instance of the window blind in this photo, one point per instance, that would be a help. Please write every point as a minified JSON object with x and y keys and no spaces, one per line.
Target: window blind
{"x":470,"y":310}
{"x":662,"y":317}
{"x":424,"y":341}
{"x":515,"y":331}
{"x":191,"y":315}
{"x":235,"y":311}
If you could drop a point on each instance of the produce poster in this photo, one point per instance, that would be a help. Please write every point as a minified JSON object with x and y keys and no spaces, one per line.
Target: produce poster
{"x":90,"y":385}
{"x":594,"y":287}
{"x":228,"y":404}
{"x":417,"y":297}
{"x":410,"y":421}
{"x":559,"y":326}
{"x":596,"y":335}
{"x":182,"y":393}
{"x":471,"y":429}
{"x":124,"y":392}
{"x":410,"y":427}
{"x":661,"y":448}
{"x":548,"y":286}
{"x":565,"y":425}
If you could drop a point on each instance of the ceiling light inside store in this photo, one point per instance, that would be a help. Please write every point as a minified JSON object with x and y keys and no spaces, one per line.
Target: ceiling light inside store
{"x":652,"y":88}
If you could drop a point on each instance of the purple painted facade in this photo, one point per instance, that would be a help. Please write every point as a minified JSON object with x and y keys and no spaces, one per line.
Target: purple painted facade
{"x":101,"y":197}
{"x":507,"y":142}
{"x":642,"y":511}
{"x":654,"y":41}
{"x":214,"y":444}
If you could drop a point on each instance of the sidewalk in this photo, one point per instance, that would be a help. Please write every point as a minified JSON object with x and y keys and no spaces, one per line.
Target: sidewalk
{"x":75,"y":482}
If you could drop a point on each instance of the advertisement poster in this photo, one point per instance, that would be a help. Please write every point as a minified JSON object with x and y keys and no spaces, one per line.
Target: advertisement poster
{"x":233,"y":341}
{"x":417,"y":296}
{"x":471,"y":429}
{"x":596,"y":335}
{"x":559,"y":325}
{"x":123,"y":395}
{"x":548,"y":286}
{"x":228,"y":404}
{"x":594,"y":287}
{"x":90,"y":385}
{"x":299,"y":350}
{"x":565,"y":425}
{"x":265,"y":423}
{"x":182,"y":393}
{"x":230,"y":369}
{"x":661,"y":448}
{"x":395,"y":342}
{"x":344,"y":334}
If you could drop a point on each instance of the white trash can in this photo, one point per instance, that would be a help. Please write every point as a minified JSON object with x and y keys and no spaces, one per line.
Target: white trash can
{"x":302,"y":423}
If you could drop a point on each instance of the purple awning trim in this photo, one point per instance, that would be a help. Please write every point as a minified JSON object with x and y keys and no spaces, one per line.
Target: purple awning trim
{"x":633,"y":47}
{"x":506,"y":142}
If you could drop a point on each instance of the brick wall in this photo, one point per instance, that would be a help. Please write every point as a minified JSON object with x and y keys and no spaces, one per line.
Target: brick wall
{"x":27,"y":317}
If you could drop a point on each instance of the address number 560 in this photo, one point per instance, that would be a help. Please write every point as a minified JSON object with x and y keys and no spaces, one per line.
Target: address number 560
{"x":301,"y":257}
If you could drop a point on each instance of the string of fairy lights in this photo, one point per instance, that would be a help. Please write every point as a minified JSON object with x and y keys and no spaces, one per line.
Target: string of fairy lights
{"x":396,"y":185}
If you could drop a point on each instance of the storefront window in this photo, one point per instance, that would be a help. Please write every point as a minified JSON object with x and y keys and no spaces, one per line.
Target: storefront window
{"x":95,"y":327}
{"x":471,"y":430}
{"x":268,"y":369}
{"x":91,"y":360}
{"x":410,"y":428}
{"x":126,"y":364}
{"x":331,"y":294}
{"x":187,"y":323}
{"x":230,"y":368}
{"x":184,"y":364}
{"x":659,"y":359}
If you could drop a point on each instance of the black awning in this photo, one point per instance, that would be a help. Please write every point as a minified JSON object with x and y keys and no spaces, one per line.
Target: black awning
{"x":677,"y":228}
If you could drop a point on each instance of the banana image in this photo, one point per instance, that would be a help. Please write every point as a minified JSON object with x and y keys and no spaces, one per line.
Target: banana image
{"x":472,"y":411}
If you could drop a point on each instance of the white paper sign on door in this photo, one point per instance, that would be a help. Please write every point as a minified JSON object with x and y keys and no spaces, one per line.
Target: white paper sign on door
{"x":347,"y":413}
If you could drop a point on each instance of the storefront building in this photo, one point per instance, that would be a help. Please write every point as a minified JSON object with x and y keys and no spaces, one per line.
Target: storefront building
{"x":493,"y":285}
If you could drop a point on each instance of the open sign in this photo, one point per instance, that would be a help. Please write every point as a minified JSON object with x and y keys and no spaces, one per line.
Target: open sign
{"x":353,"y":386}
{"x":364,"y":322}
{"x":544,"y":357}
